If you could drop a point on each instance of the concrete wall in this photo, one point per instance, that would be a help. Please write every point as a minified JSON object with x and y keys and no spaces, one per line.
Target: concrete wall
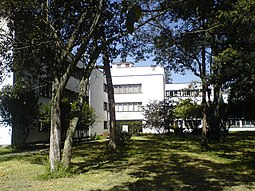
{"x":97,"y":97}
{"x":152,"y":80}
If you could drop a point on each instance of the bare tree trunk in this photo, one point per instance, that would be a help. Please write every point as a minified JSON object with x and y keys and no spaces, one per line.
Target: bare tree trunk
{"x":204,"y":120}
{"x":55,"y":132}
{"x":67,"y":151}
{"x":215,"y":122}
{"x":113,"y":129}
{"x":204,"y":104}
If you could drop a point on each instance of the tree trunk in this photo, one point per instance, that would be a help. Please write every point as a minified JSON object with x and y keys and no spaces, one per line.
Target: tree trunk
{"x":113,"y":129}
{"x":67,"y":151}
{"x":204,"y":104}
{"x":215,"y":122}
{"x":55,"y":132}
{"x":204,"y":119}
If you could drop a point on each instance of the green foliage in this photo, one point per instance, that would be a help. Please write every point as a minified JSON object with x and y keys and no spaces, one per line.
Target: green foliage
{"x":66,"y":113}
{"x":134,"y":127}
{"x":44,"y":116}
{"x":186,"y":109}
{"x":60,"y":172}
{"x":18,"y":105}
{"x":87,"y":116}
{"x":123,"y":139}
{"x":158,"y":114}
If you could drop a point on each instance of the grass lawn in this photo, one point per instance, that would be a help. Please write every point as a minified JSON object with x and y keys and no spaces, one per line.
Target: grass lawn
{"x":147,"y":163}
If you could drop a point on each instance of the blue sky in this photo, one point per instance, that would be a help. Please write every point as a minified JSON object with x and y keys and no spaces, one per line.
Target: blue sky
{"x":176,"y":78}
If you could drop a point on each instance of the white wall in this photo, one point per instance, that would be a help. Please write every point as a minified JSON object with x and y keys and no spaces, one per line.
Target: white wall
{"x":97,"y":97}
{"x":153,"y":86}
{"x":185,"y":86}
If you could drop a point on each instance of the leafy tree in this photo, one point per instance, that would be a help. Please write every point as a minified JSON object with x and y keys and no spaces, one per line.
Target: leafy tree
{"x":187,"y":110}
{"x":134,"y":127}
{"x":87,"y":117}
{"x":201,"y":36}
{"x":239,"y":27}
{"x":158,"y":114}
{"x":18,"y":108}
{"x":65,"y":32}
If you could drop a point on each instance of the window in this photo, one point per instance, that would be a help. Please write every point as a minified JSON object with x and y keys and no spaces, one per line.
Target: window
{"x":128,"y":89}
{"x":125,"y":107}
{"x":105,"y":106}
{"x":128,"y":107}
{"x":105,"y":125}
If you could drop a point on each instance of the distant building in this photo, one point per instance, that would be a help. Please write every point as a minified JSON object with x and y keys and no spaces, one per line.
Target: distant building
{"x":193,"y":92}
{"x":134,"y":87}
{"x":183,"y":91}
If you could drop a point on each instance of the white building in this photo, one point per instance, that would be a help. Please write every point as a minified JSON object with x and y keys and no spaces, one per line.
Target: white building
{"x":134,"y":87}
{"x":97,"y":98}
{"x":183,"y":91}
{"x":193,"y":92}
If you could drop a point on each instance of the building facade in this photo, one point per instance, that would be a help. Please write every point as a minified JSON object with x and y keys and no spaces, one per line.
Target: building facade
{"x":96,"y":97}
{"x":183,"y":91}
{"x":134,"y":87}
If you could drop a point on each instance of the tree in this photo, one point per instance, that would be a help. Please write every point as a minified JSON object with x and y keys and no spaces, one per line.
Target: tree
{"x":18,"y":108}
{"x":82,"y":118}
{"x":158,"y":114}
{"x":67,"y":32}
{"x":62,"y":30}
{"x":239,"y":27}
{"x":187,"y":110}
{"x":199,"y":36}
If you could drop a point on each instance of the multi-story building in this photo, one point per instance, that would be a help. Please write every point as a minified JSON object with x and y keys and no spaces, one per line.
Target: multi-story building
{"x":96,"y":97}
{"x":183,"y":91}
{"x":134,"y":87}
{"x":193,"y":92}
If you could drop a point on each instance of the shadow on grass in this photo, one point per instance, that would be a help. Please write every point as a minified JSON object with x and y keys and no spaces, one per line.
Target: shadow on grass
{"x":171,"y":165}
{"x":168,"y":163}
{"x":35,"y":154}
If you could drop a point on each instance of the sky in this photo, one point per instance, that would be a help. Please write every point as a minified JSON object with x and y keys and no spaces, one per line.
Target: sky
{"x":176,"y":78}
{"x":7,"y":81}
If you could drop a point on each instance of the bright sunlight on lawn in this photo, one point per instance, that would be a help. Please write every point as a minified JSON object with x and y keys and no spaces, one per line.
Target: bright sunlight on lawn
{"x":147,"y":163}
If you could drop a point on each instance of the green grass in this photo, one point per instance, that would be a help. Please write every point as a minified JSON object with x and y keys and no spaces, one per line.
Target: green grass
{"x":146,"y":163}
